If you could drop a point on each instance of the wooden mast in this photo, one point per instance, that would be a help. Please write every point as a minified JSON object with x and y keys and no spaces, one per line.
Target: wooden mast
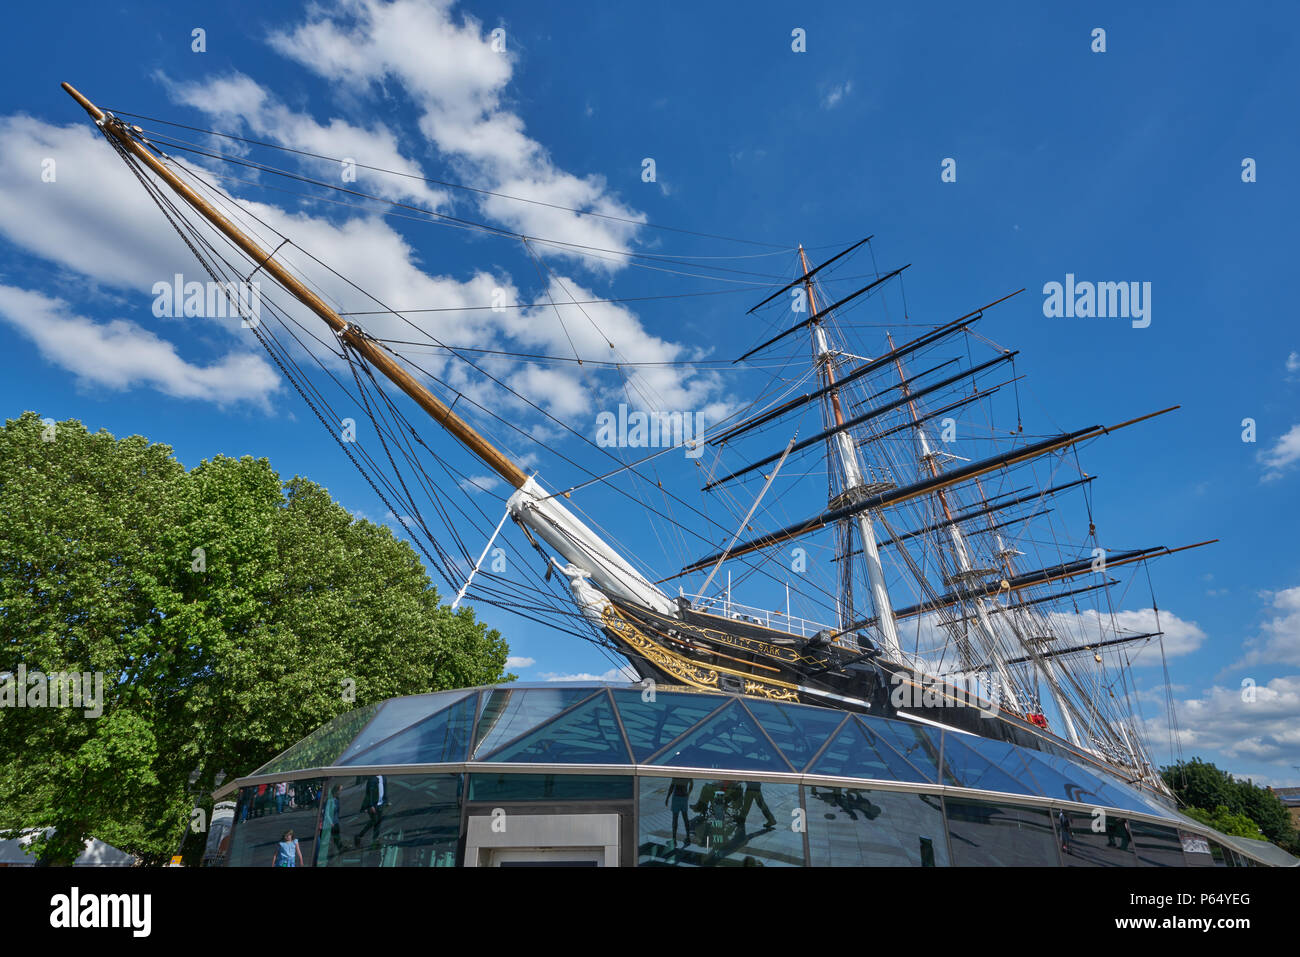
{"x":350,"y":333}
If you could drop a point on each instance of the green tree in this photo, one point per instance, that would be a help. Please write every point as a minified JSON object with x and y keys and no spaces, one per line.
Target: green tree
{"x":230,"y":612}
{"x":1226,"y":822}
{"x":1265,"y":808}
{"x":1201,"y":785}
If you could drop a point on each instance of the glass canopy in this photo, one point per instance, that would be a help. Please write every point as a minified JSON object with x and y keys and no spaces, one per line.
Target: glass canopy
{"x":605,"y":724}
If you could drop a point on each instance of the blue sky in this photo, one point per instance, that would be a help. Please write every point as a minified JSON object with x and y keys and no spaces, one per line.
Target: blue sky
{"x":1122,"y":165}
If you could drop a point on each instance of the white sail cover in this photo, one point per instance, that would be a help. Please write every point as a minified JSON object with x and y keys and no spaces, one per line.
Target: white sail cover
{"x":580,"y":546}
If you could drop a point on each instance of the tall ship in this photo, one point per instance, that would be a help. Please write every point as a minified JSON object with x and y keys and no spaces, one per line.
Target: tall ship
{"x":873,"y":528}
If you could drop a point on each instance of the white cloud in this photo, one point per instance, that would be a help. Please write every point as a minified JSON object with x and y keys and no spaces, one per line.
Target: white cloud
{"x":1088,"y":626}
{"x":1293,"y":362}
{"x":95,"y":222}
{"x":836,"y":93}
{"x":94,"y":218}
{"x":1278,"y":642}
{"x":458,"y":83}
{"x":121,"y":355}
{"x":590,"y":331}
{"x":1284,"y":453}
{"x":240,"y":104}
{"x":1225,"y":720}
{"x":1180,"y":637}
{"x":518,"y":662}
{"x":476,"y":484}
{"x":624,"y":673}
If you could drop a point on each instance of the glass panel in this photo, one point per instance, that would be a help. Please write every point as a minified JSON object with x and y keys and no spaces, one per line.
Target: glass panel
{"x":1000,"y":835}
{"x":550,"y":787}
{"x":1119,"y":794}
{"x":397,"y":714}
{"x":510,"y":712}
{"x":1223,"y":857}
{"x":986,"y":764}
{"x":1157,"y":846}
{"x":1059,"y":778}
{"x":270,"y":819}
{"x":1129,"y":798}
{"x":1100,"y":840}
{"x":797,"y":730}
{"x":852,"y":827}
{"x":916,"y":742}
{"x":442,"y":737}
{"x":390,"y":821}
{"x":713,"y":822}
{"x":652,"y":724}
{"x":1196,"y":849}
{"x":322,"y":746}
{"x":730,"y":739}
{"x":858,"y":753}
{"x":586,"y":735}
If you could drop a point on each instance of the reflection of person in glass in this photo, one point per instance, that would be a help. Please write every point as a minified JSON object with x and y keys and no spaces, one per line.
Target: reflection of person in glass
{"x":679,"y":792}
{"x":287,"y":852}
{"x":1117,"y":827}
{"x":373,"y":805}
{"x":927,"y":852}
{"x":754,"y":795}
{"x":329,"y":827}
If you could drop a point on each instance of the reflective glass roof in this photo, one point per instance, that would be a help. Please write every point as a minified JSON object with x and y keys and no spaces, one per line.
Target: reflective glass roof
{"x":604,"y":724}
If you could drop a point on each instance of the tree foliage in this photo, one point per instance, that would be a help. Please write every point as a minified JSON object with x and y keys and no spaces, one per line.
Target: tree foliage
{"x":1226,"y":822}
{"x":230,"y":612}
{"x":1202,"y":786}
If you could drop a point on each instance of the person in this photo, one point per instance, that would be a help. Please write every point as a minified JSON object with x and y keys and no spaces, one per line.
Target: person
{"x":330,"y":832}
{"x":927,"y":852}
{"x":373,"y":805}
{"x":679,"y":792}
{"x":281,"y":796}
{"x":287,"y":852}
{"x":1118,"y":827}
{"x":754,"y":795}
{"x":1063,"y":823}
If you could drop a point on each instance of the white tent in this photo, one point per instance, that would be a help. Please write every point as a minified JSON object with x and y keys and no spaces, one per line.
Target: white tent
{"x":14,"y":853}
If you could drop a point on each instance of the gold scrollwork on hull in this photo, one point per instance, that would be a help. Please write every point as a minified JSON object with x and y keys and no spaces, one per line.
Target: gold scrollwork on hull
{"x":746,"y":643}
{"x":759,"y":689}
{"x":684,"y":669}
{"x":656,"y":654}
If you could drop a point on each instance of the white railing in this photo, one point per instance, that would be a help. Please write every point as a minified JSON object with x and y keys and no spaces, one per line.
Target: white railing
{"x":778,"y":620}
